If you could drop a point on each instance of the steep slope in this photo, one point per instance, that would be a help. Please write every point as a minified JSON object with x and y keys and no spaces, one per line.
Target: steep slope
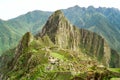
{"x":33,"y":20}
{"x":8,"y":37}
{"x":112,"y":14}
{"x":12,"y":30}
{"x":103,"y":21}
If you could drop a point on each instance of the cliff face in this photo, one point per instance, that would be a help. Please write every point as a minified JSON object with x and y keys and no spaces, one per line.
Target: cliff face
{"x":114,"y":59}
{"x":61,"y":31}
{"x":67,"y":36}
{"x":23,"y":44}
{"x":11,"y":56}
{"x":95,"y":45}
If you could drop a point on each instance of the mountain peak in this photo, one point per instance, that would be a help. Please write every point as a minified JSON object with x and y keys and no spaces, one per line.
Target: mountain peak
{"x":57,"y":15}
{"x":77,"y":6}
{"x":58,"y":12}
{"x":55,"y":21}
{"x":26,"y":40}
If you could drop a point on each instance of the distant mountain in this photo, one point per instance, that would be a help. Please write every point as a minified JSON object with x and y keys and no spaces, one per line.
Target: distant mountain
{"x":61,"y":51}
{"x":103,"y":21}
{"x":13,"y":29}
{"x":31,"y":21}
{"x":8,"y":36}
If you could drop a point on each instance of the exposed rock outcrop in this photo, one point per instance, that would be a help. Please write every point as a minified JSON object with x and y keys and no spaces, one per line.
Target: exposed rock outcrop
{"x":23,"y":44}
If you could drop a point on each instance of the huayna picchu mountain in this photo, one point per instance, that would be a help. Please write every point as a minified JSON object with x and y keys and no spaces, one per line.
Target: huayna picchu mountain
{"x":60,"y":51}
{"x":67,"y":36}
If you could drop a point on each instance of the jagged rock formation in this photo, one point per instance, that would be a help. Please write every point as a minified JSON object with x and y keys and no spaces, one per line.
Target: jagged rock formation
{"x":60,"y":49}
{"x":61,"y":32}
{"x":66,"y":35}
{"x":24,"y":43}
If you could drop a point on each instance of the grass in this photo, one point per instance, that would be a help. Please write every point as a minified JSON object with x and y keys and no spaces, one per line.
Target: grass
{"x":56,"y":55}
{"x":115,"y":69}
{"x":115,"y":79}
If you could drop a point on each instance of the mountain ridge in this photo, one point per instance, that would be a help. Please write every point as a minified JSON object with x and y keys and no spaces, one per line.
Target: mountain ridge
{"x":87,"y":18}
{"x":97,"y":20}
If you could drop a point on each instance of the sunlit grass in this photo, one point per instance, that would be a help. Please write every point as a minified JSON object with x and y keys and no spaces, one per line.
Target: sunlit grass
{"x":115,"y":79}
{"x":115,"y":69}
{"x":56,"y":55}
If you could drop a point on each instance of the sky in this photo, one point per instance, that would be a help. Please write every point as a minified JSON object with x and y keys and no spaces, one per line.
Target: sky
{"x":13,"y":8}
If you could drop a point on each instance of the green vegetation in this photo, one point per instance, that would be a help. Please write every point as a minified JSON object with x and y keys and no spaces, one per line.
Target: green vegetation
{"x":115,"y":79}
{"x":59,"y":52}
{"x":56,"y":55}
{"x":12,"y":30}
{"x":103,"y":21}
{"x":115,"y":69}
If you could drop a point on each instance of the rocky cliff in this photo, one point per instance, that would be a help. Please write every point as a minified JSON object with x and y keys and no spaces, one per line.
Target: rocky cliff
{"x":67,"y":36}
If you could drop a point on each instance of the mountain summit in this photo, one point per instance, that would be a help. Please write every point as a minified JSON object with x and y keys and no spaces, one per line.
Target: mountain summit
{"x":60,"y":30}
{"x":55,"y":21}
